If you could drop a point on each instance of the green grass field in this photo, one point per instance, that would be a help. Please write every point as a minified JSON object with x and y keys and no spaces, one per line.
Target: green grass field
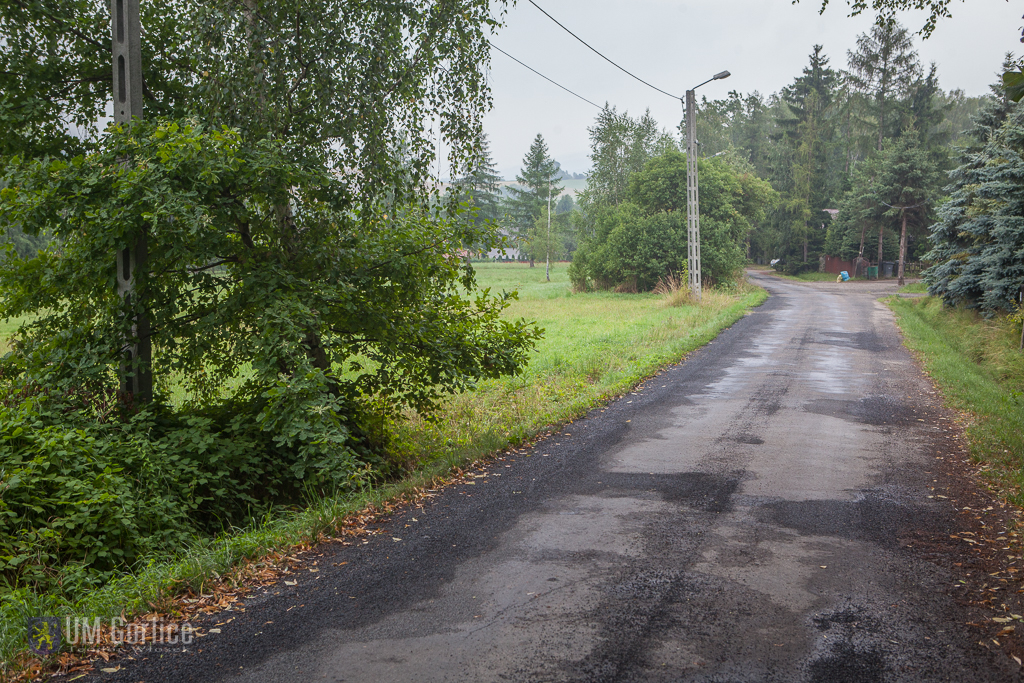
{"x":915,"y":288}
{"x":980,"y":369}
{"x":8,"y":328}
{"x":595,"y":345}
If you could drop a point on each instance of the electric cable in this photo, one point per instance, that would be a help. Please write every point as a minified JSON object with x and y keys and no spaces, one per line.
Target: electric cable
{"x":545,"y":77}
{"x":601,"y":55}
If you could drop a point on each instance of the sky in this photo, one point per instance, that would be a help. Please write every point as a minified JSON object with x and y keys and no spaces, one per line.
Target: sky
{"x":677,"y":44}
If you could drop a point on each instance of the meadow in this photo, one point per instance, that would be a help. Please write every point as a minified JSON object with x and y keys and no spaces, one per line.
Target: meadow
{"x":596,"y":345}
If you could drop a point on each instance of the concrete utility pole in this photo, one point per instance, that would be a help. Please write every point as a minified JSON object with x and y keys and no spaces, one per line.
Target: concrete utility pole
{"x":547,"y":248}
{"x":692,"y":195}
{"x":126,"y":31}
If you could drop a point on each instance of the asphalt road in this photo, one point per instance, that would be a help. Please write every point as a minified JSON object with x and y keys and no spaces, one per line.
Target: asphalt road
{"x":744,"y":516}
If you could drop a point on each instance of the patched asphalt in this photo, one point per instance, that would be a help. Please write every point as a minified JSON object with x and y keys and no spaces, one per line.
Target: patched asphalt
{"x":746,"y":515}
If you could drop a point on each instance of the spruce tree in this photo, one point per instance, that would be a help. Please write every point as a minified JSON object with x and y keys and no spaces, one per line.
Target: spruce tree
{"x":805,"y":132}
{"x":526,"y":203}
{"x":882,"y":68}
{"x":479,"y":187}
{"x":907,"y":184}
{"x":979,"y":239}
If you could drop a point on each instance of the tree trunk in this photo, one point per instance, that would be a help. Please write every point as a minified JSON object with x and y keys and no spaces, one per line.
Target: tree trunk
{"x":315,"y":351}
{"x":881,"y":123}
{"x":881,"y":234}
{"x":903,"y":247}
{"x":805,"y":250}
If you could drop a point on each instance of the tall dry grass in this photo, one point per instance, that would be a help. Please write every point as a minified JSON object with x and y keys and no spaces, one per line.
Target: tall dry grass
{"x":674,"y":289}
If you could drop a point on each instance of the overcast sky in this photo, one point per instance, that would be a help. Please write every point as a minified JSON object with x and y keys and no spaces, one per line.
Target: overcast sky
{"x":676,"y":44}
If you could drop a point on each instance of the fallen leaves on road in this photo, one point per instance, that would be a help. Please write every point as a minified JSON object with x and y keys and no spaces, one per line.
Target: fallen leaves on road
{"x":986,"y":553}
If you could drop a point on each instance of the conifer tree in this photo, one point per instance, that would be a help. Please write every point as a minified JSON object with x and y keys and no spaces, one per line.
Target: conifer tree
{"x":526,"y":203}
{"x":882,"y":68}
{"x":907,"y":184}
{"x":805,"y":132}
{"x":480,"y":187}
{"x":979,"y":238}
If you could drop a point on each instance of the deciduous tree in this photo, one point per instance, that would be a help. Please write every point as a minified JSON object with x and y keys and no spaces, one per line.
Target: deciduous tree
{"x":294,"y":245}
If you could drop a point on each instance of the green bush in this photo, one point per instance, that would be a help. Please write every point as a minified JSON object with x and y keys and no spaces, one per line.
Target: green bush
{"x":796,"y":267}
{"x":635,"y":250}
{"x":89,"y":484}
{"x":643,"y":239}
{"x":288,"y":318}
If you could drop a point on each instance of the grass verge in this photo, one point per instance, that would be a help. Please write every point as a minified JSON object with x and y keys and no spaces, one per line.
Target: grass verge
{"x":914,"y":288}
{"x":597,"y":346}
{"x":980,"y":370}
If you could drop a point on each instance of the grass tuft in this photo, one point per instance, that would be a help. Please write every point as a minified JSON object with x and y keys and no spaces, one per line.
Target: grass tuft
{"x":675,"y":291}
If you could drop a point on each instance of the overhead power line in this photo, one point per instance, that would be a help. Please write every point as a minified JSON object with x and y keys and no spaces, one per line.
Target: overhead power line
{"x":545,"y":77}
{"x":601,"y":55}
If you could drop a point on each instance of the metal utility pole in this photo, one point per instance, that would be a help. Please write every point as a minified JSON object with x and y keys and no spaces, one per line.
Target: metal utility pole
{"x":692,"y":194}
{"x":126,"y":31}
{"x":547,"y":248}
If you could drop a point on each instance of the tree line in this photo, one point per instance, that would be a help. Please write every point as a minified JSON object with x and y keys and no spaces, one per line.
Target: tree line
{"x":870,"y":163}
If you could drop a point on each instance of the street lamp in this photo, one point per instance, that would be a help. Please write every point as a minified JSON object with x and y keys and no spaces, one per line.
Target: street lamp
{"x":692,"y":203}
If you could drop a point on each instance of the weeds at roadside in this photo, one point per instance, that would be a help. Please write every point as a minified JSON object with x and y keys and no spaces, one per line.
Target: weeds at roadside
{"x":914,"y":288}
{"x":980,"y":369}
{"x":674,"y":291}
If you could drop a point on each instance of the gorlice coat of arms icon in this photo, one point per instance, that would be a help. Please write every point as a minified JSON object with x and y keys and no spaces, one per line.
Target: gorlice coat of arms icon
{"x":44,"y":635}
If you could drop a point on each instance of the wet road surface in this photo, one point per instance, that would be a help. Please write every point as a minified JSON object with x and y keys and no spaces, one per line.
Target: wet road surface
{"x":743,"y":517}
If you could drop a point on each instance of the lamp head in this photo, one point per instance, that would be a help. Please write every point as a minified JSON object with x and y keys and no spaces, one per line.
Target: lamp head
{"x":719,"y":76}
